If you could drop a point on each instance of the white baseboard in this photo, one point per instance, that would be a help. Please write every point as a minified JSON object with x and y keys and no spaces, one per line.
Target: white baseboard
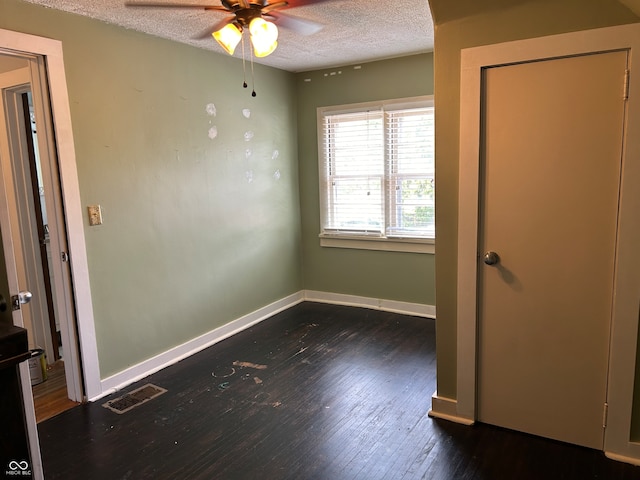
{"x":147,"y":367}
{"x":143,"y":369}
{"x":447,"y":409}
{"x":406,"y":308}
{"x":622,"y":458}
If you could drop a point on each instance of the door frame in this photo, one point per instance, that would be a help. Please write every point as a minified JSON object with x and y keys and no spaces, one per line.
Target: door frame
{"x":50,"y":54}
{"x":623,"y":344}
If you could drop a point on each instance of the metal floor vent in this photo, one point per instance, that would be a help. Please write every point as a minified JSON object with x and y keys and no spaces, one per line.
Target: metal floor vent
{"x":134,"y":398}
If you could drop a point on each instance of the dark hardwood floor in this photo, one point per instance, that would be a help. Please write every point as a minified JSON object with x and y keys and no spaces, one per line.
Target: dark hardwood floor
{"x":316,"y":392}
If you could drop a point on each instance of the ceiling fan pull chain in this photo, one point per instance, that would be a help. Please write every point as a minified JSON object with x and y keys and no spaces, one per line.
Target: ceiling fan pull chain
{"x":244,"y":69}
{"x":253,"y":77}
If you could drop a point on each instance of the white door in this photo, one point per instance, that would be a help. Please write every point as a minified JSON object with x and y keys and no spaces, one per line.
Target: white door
{"x":14,"y":147}
{"x":550,"y":173}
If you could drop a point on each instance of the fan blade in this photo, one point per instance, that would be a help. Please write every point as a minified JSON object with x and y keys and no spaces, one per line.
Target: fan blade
{"x":296,"y":24}
{"x":214,"y":28}
{"x":273,"y":6}
{"x":173,"y":5}
{"x":302,"y":3}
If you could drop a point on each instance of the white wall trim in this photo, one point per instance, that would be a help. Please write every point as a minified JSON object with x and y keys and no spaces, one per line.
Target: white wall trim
{"x":145,"y":368}
{"x":447,"y":409}
{"x":377,"y":243}
{"x":627,"y":278}
{"x":406,"y":308}
{"x":622,"y":458}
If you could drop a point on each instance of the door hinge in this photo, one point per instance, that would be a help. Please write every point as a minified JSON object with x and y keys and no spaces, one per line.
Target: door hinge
{"x":64,"y":256}
{"x":626,"y":85}
{"x":605,"y":413}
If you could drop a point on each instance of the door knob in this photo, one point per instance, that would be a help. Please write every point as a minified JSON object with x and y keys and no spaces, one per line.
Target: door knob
{"x":491,"y":258}
{"x":20,"y":299}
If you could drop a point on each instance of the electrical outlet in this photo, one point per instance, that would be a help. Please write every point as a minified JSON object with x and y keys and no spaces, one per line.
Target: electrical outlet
{"x":95,"y":215}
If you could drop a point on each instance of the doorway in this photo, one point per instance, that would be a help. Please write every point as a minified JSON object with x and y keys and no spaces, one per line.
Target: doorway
{"x":35,"y":188}
{"x":622,"y":345}
{"x":47,"y":68}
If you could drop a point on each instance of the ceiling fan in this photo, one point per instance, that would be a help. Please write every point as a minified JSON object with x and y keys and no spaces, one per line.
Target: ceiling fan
{"x":258,"y":16}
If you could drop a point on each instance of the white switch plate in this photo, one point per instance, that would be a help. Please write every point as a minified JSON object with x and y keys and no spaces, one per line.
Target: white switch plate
{"x":95,"y":215}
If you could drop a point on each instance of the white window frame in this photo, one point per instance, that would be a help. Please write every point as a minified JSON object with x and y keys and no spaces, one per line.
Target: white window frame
{"x":367,"y":240}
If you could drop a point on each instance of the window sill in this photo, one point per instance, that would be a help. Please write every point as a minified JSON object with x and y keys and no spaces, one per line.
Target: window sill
{"x":409,"y":245}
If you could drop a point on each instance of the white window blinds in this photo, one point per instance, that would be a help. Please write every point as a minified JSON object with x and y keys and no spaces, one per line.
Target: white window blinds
{"x":354,"y":172}
{"x":410,"y":156}
{"x":377,"y":170}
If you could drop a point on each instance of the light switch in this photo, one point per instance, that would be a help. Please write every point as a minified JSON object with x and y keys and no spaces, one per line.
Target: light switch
{"x":95,"y":215}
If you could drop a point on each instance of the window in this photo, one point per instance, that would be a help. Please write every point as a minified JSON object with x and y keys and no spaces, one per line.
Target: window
{"x":377,"y":174}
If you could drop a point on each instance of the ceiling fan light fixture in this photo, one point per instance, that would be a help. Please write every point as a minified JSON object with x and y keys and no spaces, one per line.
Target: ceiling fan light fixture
{"x":264,"y":37}
{"x":228,"y":37}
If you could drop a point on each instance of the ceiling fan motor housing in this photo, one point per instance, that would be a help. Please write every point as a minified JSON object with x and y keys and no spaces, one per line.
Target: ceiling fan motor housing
{"x":236,"y":4}
{"x":244,"y":14}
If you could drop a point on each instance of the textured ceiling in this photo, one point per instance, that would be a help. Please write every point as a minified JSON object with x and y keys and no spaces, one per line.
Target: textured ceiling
{"x":354,"y":31}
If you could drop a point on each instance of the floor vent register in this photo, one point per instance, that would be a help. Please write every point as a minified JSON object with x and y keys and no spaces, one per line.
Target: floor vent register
{"x":134,"y":398}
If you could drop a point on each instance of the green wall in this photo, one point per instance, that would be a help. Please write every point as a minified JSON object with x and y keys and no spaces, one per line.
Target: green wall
{"x":406,"y":277}
{"x":197,"y":231}
{"x":464,"y":24}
